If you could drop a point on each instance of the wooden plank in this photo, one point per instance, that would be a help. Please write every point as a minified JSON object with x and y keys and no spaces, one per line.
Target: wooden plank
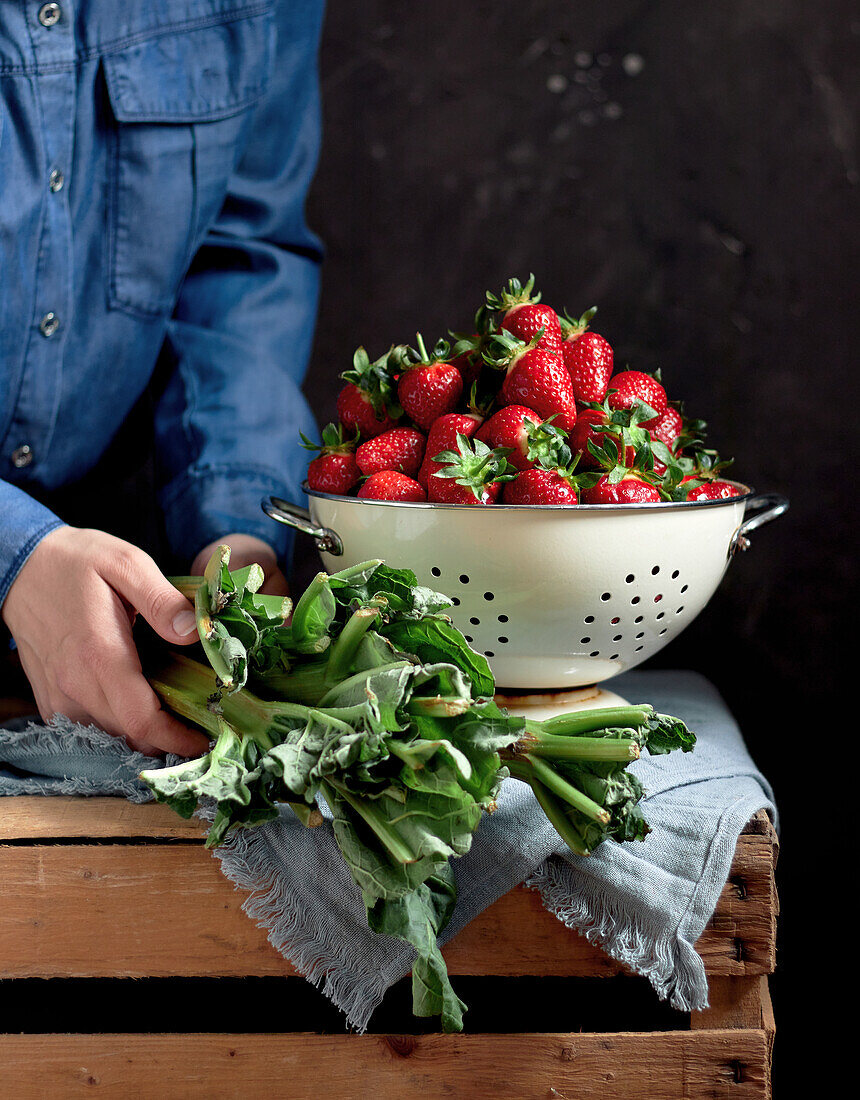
{"x":598,"y":1066}
{"x":734,"y":1002}
{"x":27,"y":818}
{"x":156,"y":909}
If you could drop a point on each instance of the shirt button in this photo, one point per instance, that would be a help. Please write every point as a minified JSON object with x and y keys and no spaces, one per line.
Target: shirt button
{"x":56,"y":180}
{"x":49,"y":14}
{"x":22,"y":456}
{"x":49,"y":324}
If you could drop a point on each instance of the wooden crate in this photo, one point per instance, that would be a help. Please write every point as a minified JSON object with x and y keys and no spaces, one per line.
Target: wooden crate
{"x":100,"y":888}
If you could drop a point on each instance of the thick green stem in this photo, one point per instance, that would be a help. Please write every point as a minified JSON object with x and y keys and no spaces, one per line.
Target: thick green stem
{"x":566,"y":791}
{"x":186,"y":585}
{"x":578,"y":748}
{"x":300,"y":612}
{"x":556,"y":816}
{"x":587,"y":721}
{"x":345,"y":685}
{"x":343,"y":651}
{"x":368,"y":812}
{"x":187,"y":687}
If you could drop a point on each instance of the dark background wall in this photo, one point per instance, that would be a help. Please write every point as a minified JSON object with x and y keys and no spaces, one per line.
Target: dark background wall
{"x":691,"y":168}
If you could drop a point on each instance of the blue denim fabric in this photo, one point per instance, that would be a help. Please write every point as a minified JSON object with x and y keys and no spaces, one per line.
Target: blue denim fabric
{"x":186,"y":134}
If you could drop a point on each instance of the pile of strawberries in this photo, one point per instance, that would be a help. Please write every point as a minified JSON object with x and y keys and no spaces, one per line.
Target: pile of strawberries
{"x":525,"y":410}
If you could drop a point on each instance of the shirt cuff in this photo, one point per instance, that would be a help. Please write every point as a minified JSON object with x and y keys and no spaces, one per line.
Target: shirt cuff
{"x":204,"y":504}
{"x":25,"y":524}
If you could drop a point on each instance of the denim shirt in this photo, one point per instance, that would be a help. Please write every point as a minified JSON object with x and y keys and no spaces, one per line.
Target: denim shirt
{"x":154,"y":161}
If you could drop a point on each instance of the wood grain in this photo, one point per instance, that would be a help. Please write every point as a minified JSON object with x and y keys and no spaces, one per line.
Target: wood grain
{"x":157,"y":909}
{"x":599,"y":1066}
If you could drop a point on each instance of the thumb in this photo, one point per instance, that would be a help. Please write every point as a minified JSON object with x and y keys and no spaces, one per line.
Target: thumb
{"x":139,"y":581}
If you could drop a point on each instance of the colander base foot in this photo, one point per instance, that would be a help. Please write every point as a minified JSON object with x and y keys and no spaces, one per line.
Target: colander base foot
{"x":539,"y":705}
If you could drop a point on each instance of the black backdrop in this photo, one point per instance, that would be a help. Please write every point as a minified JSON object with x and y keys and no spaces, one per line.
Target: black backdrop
{"x":691,"y":169}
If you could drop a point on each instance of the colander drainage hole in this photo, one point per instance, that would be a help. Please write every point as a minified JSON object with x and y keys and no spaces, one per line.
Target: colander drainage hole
{"x":658,"y":598}
{"x":596,"y":653}
{"x":618,"y":637}
{"x":675,"y":575}
{"x":469,"y":638}
{"x":606,"y":596}
{"x":639,"y":647}
{"x":489,"y":653}
{"x":588,"y":619}
{"x":684,"y":588}
{"x":641,"y":634}
{"x":584,"y":641}
{"x":615,"y":621}
{"x":489,"y":595}
{"x":680,"y":609}
{"x":614,"y":657}
{"x":662,"y":615}
{"x":464,"y":579}
{"x":474,"y":621}
{"x":638,"y":618}
{"x":655,"y":570}
{"x":635,"y":599}
{"x":436,"y":571}
{"x":629,"y":579}
{"x":455,"y":601}
{"x":503,"y":640}
{"x":663,"y":631}
{"x":503,"y":618}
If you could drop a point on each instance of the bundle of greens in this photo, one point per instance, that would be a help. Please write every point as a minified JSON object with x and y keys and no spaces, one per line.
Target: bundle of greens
{"x":368,"y":698}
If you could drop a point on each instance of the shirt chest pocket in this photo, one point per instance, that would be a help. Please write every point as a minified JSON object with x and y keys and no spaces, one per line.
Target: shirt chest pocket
{"x":182,"y":106}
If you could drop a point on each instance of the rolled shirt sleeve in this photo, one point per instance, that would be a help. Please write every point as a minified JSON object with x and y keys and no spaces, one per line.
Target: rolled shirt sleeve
{"x":25,"y":522}
{"x":227,"y":422}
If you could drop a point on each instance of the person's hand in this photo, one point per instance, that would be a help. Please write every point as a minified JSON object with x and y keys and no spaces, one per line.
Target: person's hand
{"x":245,"y":550}
{"x":71,"y":609}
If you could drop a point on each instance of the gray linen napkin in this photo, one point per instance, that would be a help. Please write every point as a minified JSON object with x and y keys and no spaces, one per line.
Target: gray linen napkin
{"x":645,"y":904}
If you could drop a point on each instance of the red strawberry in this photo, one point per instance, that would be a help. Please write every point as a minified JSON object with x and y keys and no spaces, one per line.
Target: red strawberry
{"x":629,"y":490}
{"x":667,"y":427}
{"x":523,"y":315}
{"x":356,"y":412}
{"x":591,"y":425}
{"x":539,"y":486}
{"x":508,"y":428}
{"x":368,"y":402}
{"x":390,"y":485}
{"x":471,"y":474}
{"x":400,"y":449}
{"x":536,"y":377}
{"x":587,"y":356}
{"x":336,"y":470}
{"x":443,"y":437}
{"x":429,"y":387}
{"x":631,"y":386}
{"x":711,"y":490}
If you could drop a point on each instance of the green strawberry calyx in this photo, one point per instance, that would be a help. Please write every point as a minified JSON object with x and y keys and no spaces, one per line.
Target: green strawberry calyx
{"x":474,"y":465}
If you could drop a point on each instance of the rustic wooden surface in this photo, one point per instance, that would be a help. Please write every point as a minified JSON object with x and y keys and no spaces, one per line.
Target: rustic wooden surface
{"x":100,"y":909}
{"x":598,"y":1066}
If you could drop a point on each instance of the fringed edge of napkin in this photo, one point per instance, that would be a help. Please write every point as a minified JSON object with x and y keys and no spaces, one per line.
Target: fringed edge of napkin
{"x":320,"y":958}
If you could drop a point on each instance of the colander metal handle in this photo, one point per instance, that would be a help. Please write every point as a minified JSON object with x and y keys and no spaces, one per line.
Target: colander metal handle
{"x":328,"y":541}
{"x":767,"y":506}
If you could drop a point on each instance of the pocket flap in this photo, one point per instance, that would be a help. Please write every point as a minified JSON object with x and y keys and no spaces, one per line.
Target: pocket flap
{"x":192,"y":76}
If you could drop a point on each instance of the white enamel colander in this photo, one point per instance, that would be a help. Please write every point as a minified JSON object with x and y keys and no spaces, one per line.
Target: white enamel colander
{"x":554,"y":597}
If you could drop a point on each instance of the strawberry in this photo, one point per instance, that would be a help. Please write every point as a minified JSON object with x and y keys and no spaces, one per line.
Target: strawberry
{"x":587,"y":356}
{"x":524,"y":317}
{"x":390,"y":485}
{"x":531,"y":441}
{"x":428,"y":387}
{"x":368,"y":402}
{"x":592,"y":426}
{"x":710,"y":490}
{"x":667,"y":427}
{"x":631,"y":386}
{"x":628,"y":489}
{"x":535,"y":377}
{"x":473,"y":474}
{"x":335,"y":470}
{"x":400,"y":449}
{"x":540,"y":486}
{"x":443,"y":436}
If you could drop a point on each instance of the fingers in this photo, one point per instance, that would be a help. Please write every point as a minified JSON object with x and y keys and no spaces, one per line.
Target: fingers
{"x":275,"y":583}
{"x":135,"y":576}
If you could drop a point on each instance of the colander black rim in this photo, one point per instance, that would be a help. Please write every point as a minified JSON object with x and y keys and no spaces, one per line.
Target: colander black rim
{"x":745,"y":495}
